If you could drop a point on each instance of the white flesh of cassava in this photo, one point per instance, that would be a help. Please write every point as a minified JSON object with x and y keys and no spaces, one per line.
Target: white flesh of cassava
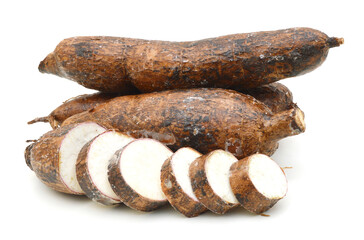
{"x":100,"y":152}
{"x":140,"y":165}
{"x":71,"y":145}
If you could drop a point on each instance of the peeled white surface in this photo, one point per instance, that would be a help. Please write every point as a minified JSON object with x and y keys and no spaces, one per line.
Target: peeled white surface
{"x":181,"y":161}
{"x":71,"y":146}
{"x":102,"y":149}
{"x":267,"y":177}
{"x":217,"y":168}
{"x":140,"y":164}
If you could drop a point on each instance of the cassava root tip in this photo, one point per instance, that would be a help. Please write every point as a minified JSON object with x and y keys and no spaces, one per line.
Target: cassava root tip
{"x":48,"y":65}
{"x":39,"y":119}
{"x":335,"y":42}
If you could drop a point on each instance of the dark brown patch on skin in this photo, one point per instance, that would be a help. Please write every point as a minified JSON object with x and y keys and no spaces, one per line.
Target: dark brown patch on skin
{"x":85,"y":180}
{"x":178,"y":199}
{"x":127,"y":195}
{"x":203,"y":190}
{"x":234,"y":61}
{"x":245,"y":192}
{"x":204,"y":119}
{"x":44,"y":158}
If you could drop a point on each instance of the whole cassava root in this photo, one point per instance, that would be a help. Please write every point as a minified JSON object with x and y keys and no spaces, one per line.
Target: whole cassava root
{"x":275,"y":95}
{"x":235,"y":61}
{"x":204,"y":119}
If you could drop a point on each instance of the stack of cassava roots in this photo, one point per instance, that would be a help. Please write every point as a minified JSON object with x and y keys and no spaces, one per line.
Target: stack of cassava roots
{"x":189,"y":123}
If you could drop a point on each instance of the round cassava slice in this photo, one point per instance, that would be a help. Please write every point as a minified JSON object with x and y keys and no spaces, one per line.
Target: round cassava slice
{"x":53,"y":157}
{"x":92,"y":166}
{"x":257,"y":182}
{"x":210,"y":181}
{"x":176,"y":184}
{"x":134,"y":174}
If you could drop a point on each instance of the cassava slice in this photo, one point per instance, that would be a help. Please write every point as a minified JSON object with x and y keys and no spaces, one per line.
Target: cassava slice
{"x":257,"y":182}
{"x":245,"y":60}
{"x":176,"y":184}
{"x":92,"y":166}
{"x":204,"y":119}
{"x":134,"y":174}
{"x":53,"y":157}
{"x":210,"y":181}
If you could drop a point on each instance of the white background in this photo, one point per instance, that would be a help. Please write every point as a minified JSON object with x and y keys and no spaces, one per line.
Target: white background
{"x":325,"y":197}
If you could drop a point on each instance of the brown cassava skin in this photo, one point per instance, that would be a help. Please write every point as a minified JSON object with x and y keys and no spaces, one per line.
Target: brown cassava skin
{"x":244,"y":190}
{"x":248,"y":60}
{"x":27,"y":155}
{"x":275,"y":95}
{"x":76,"y":105}
{"x":204,"y":119}
{"x":85,"y":180}
{"x":44,"y":159}
{"x":178,"y":199}
{"x":203,"y":190}
{"x":127,"y":195}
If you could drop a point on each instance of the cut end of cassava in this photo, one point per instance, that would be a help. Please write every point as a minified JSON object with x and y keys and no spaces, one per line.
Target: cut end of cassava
{"x":134,"y":174}
{"x":53,"y":157}
{"x":176,"y":184}
{"x":70,"y":147}
{"x":335,"y":42}
{"x":48,"y":65}
{"x":210,"y":181}
{"x":92,"y":166}
{"x":267,"y":177}
{"x":258,"y":183}
{"x":298,"y":124}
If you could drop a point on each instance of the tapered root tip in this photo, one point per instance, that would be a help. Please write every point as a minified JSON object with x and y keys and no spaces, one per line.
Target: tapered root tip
{"x":40,"y":119}
{"x":335,"y":42}
{"x":48,"y":65}
{"x":299,"y":124}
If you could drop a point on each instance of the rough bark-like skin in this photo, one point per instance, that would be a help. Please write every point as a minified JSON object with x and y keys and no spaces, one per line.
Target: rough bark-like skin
{"x":178,"y":199}
{"x":127,"y":195}
{"x":44,"y":159}
{"x":278,"y":98}
{"x":245,"y":192}
{"x":77,"y":105}
{"x":204,"y":119}
{"x":234,"y":61}
{"x":85,"y":180}
{"x":275,"y":95}
{"x":203,"y":190}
